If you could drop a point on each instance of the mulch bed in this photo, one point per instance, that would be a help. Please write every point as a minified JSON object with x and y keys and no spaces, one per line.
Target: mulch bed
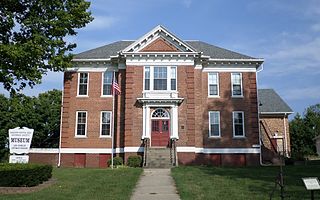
{"x":19,"y":190}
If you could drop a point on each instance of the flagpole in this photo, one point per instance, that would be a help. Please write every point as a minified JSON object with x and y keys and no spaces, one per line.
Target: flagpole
{"x":112,"y":130}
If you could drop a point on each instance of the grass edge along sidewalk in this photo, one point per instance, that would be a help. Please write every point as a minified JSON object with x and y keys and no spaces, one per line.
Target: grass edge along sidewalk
{"x":200,"y":182}
{"x":86,"y":184}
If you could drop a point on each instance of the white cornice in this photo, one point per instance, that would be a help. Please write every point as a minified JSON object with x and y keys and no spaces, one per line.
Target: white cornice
{"x":90,"y":59}
{"x":229,"y":69}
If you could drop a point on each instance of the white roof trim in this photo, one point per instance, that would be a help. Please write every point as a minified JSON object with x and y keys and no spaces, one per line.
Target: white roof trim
{"x":238,"y":59}
{"x":90,"y":59}
{"x":143,"y":41}
{"x":270,"y":113}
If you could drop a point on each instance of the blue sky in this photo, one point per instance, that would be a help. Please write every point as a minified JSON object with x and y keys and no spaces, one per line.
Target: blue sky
{"x":285,"y":33}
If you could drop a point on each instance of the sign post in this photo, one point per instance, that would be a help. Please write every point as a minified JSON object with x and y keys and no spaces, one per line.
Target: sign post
{"x":312,"y":184}
{"x":19,"y":144}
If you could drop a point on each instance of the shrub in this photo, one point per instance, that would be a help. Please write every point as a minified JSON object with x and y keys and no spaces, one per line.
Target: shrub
{"x":17,"y":175}
{"x":116,"y":161}
{"x":134,"y":161}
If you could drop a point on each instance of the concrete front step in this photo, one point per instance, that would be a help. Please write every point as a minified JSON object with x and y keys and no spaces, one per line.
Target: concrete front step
{"x":158,"y":158}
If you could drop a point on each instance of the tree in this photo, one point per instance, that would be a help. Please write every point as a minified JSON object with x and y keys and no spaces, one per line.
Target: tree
{"x":33,"y":38}
{"x":304,"y":129}
{"x":40,"y":113}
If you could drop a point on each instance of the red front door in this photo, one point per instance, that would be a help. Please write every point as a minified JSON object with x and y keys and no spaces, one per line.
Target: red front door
{"x":160,"y":133}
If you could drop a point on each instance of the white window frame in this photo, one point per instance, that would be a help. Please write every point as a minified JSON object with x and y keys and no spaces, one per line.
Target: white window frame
{"x":218,"y":85}
{"x":78,"y":86}
{"x":86,"y":126}
{"x":233,"y":125}
{"x":241,"y":85}
{"x":214,"y":136}
{"x":102,"y":83}
{"x":152,"y":78}
{"x":111,"y":122}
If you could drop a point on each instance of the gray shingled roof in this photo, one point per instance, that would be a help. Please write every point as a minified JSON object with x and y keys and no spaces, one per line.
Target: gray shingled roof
{"x":208,"y":50}
{"x":105,"y":51}
{"x":271,"y":102}
{"x":216,"y":52}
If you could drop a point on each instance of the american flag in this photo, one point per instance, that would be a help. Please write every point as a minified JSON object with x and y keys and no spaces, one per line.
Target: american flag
{"x":115,"y":87}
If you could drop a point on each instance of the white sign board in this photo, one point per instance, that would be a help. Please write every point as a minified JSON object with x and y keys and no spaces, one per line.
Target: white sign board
{"x":19,"y":159}
{"x":311,"y":183}
{"x":20,"y":140}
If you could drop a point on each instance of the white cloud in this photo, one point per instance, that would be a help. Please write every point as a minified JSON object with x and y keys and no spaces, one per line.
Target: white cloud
{"x":187,"y":3}
{"x":315,"y":27}
{"x":101,"y":22}
{"x":302,"y":93}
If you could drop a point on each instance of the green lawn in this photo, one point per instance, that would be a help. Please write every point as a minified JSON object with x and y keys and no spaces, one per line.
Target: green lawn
{"x":241,"y":183}
{"x":86,"y":184}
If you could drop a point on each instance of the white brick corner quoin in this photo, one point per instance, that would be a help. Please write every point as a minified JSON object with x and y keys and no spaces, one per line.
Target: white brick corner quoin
{"x":186,"y":149}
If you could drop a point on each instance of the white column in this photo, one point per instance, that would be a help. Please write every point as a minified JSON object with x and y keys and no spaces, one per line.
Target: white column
{"x":147,"y":123}
{"x":143,"y":122}
{"x":174,"y":123}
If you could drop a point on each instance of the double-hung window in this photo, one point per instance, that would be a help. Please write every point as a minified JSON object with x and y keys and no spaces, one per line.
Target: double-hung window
{"x":213,"y":84}
{"x":173,"y":78}
{"x":81,"y":123}
{"x":236,"y":82}
{"x":238,"y":124}
{"x":214,"y":124}
{"x":160,"y":78}
{"x":147,"y":78}
{"x":83,"y":79}
{"x":105,"y":124}
{"x":107,"y":83}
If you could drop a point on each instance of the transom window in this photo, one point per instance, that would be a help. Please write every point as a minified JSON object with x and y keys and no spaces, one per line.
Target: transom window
{"x":214,"y":124}
{"x":236,"y":82}
{"x":160,"y":78}
{"x":160,"y":113}
{"x":107,"y":83}
{"x":213,"y":84}
{"x":83,"y":84}
{"x":105,"y":124}
{"x":238,"y":124}
{"x":81,"y":127}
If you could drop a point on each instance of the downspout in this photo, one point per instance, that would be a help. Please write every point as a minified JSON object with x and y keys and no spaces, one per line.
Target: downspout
{"x":285,"y":135}
{"x":61,"y":112}
{"x":260,"y":144}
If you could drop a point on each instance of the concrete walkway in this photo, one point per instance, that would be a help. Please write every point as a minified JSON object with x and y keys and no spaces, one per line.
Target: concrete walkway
{"x":155,"y":184}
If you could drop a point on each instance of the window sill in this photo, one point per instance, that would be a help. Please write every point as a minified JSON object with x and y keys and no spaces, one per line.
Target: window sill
{"x":240,"y":96}
{"x":214,"y":97}
{"x":106,"y":96}
{"x":105,"y":137}
{"x":82,"y":96}
{"x":214,"y":137}
{"x":239,"y":137}
{"x":80,"y":137}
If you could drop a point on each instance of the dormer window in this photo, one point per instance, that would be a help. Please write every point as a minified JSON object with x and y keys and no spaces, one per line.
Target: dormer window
{"x":160,"y":78}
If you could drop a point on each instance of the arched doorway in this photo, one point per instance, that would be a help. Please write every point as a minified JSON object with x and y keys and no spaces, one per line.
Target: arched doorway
{"x":160,"y":127}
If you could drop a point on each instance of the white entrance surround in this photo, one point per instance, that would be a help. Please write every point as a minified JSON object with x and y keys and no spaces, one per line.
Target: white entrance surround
{"x":173,"y":118}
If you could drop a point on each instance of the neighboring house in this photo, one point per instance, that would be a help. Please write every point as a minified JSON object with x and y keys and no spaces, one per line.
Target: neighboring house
{"x":188,"y":102}
{"x":274,"y":125}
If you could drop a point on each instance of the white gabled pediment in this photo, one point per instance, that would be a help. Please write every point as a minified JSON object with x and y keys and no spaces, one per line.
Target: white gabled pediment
{"x":159,"y":32}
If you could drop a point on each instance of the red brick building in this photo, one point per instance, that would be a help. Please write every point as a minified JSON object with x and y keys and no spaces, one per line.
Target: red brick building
{"x":190,"y":101}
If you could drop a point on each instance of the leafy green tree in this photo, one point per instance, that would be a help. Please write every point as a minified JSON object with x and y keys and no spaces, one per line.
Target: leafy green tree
{"x":48,"y":107}
{"x":40,"y":113}
{"x":304,"y":129}
{"x":4,"y":107}
{"x":33,"y":38}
